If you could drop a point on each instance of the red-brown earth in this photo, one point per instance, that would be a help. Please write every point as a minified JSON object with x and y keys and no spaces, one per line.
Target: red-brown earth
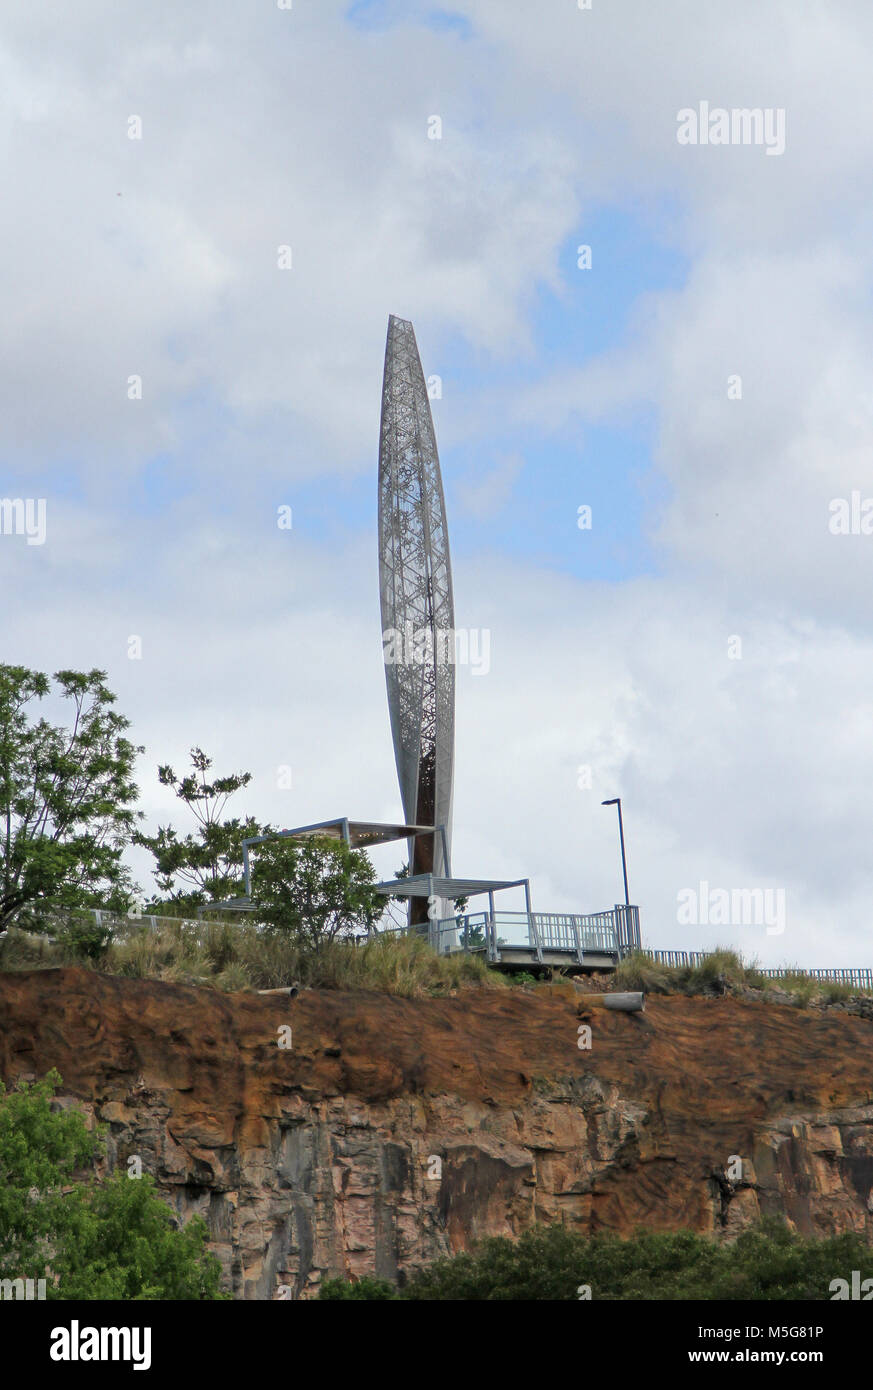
{"x":395,"y":1130}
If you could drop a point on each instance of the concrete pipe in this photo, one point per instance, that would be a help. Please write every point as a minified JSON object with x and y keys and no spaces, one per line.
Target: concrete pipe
{"x":631,"y":1003}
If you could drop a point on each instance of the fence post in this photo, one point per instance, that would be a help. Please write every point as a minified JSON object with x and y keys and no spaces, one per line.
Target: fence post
{"x":532,"y":931}
{"x":491,"y":933}
{"x":578,"y":940}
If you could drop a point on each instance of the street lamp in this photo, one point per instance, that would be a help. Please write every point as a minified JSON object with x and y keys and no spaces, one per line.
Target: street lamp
{"x":616,"y":801}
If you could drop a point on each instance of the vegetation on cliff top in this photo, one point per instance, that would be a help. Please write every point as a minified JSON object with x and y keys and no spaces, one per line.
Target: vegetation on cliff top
{"x":767,"y":1262}
{"x":314,"y":892}
{"x":235,"y":955}
{"x":66,"y":794}
{"x":205,"y":866}
{"x":67,"y":804}
{"x":724,"y":972}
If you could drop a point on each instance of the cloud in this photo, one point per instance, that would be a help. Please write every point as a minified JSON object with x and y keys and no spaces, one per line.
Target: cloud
{"x":270,"y":128}
{"x":487,"y":494}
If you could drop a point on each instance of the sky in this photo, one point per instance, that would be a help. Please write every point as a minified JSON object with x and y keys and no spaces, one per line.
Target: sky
{"x":700,"y":380}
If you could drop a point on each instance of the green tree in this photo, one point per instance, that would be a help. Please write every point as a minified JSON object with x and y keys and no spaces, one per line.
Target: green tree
{"x":124,"y":1244}
{"x":206,"y":866}
{"x":84,"y":937}
{"x":314,"y":890}
{"x":767,"y":1262}
{"x":39,"y":1153}
{"x":88,"y":1239}
{"x":66,"y":796}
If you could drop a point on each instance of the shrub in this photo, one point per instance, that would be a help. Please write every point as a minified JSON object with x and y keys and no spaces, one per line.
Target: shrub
{"x":636,"y":971}
{"x":87,"y":1239}
{"x":23,"y":950}
{"x":552,"y":1263}
{"x":521,"y":977}
{"x":717,"y":972}
{"x":239,"y":955}
{"x":83,"y":938}
{"x":233,"y":978}
{"x":396,"y":964}
{"x":832,"y":992}
{"x":315,"y":890}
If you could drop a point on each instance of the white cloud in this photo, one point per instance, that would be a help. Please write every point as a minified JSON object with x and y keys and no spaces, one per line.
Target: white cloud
{"x":267,"y":128}
{"x":484,"y":494}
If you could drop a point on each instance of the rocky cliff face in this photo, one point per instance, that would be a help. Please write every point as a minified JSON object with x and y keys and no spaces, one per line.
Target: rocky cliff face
{"x":392,"y":1131}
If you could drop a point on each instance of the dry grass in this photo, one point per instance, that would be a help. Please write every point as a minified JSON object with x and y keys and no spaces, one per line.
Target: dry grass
{"x":235,"y":956}
{"x":725,"y":972}
{"x":21,"y":950}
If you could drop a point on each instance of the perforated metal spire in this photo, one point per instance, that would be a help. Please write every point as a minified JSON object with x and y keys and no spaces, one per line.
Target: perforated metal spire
{"x":415,"y":580}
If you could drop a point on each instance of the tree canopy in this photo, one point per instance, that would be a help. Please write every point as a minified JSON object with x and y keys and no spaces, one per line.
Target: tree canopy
{"x":205,"y":866}
{"x":89,"y":1240}
{"x":66,"y":795}
{"x":766,"y":1262}
{"x":314,"y":890}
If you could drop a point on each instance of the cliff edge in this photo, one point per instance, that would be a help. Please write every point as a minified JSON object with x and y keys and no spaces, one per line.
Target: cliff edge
{"x":392,"y":1131}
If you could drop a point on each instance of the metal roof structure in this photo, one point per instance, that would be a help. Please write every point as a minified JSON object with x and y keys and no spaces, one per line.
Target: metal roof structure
{"x":427,"y":885}
{"x":357,"y":834}
{"x":415,"y":592}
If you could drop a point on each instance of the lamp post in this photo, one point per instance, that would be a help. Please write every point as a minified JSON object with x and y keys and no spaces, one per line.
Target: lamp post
{"x":616,"y":801}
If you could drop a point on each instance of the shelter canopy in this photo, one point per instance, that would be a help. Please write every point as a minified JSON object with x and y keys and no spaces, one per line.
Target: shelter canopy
{"x":356,"y":833}
{"x":423,"y":885}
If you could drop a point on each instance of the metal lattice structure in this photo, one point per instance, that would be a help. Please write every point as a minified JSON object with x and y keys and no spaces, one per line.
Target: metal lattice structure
{"x":418,"y":618}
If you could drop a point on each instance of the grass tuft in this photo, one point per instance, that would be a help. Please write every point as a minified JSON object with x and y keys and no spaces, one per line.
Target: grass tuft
{"x":236,"y":955}
{"x":723,"y":971}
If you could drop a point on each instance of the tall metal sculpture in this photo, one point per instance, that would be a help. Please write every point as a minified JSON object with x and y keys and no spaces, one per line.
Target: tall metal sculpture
{"x":418,"y":617}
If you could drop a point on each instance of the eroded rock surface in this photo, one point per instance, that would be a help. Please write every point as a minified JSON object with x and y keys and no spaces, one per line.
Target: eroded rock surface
{"x":393,"y":1131}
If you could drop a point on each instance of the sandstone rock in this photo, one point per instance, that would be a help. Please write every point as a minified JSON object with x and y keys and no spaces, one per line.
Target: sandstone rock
{"x":395,"y":1131}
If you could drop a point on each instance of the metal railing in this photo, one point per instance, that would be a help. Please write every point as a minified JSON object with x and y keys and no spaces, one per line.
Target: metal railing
{"x":676,"y":958}
{"x":595,"y":931}
{"x":627,"y":919}
{"x":860,"y":976}
{"x":119,"y":923}
{"x":580,"y":934}
{"x":614,"y":932}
